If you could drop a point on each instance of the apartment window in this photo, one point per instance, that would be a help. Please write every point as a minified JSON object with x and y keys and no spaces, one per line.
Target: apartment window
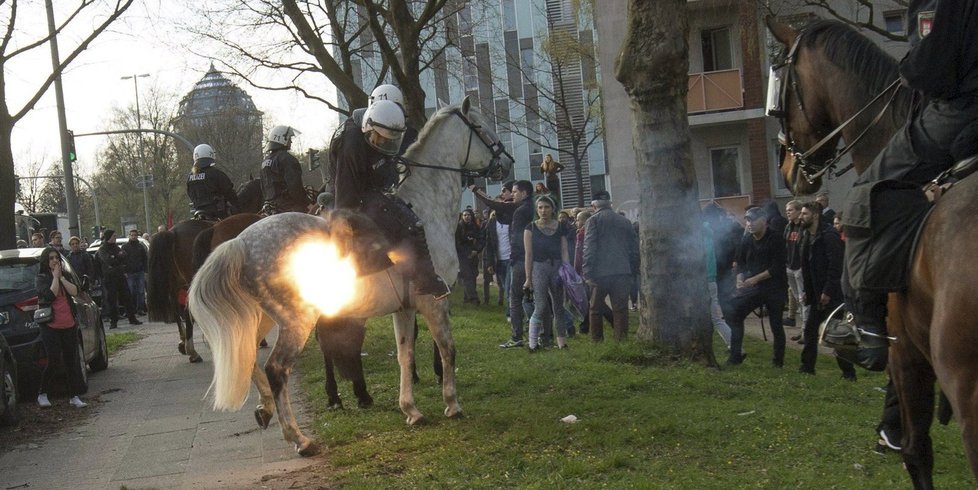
{"x":717,"y":54}
{"x":536,"y":159}
{"x":895,"y":22}
{"x":471,"y":73}
{"x":725,"y":164}
{"x":513,"y":73}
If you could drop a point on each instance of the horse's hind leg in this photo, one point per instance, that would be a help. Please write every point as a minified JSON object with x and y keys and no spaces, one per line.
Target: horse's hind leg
{"x":292,"y":338}
{"x":404,"y":336}
{"x":436,"y":315}
{"x":341,"y":341}
{"x":189,"y":331}
{"x":956,"y":365}
{"x":266,"y":405}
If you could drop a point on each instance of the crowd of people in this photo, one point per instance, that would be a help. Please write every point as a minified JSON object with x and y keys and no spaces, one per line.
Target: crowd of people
{"x":525,"y":240}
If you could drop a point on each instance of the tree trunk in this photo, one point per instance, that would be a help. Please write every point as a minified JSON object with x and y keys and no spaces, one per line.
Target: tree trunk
{"x":8,"y":237}
{"x":653,"y":68}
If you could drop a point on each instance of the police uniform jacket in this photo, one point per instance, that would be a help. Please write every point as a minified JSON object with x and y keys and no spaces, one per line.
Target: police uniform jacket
{"x":281,"y":180}
{"x":360,"y":169}
{"x":210,"y":190}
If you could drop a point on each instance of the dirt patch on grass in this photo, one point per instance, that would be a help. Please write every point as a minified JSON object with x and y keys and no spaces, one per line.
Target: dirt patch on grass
{"x":313,"y":477}
{"x":37,"y":424}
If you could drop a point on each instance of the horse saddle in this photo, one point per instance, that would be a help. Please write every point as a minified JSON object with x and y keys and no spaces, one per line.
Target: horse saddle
{"x":943,"y":182}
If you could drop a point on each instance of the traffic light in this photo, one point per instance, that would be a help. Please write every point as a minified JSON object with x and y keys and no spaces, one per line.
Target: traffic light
{"x":72,"y":156}
{"x":313,"y":159}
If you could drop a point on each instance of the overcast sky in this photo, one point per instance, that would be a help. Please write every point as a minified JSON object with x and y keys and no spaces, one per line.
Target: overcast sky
{"x":146,"y":41}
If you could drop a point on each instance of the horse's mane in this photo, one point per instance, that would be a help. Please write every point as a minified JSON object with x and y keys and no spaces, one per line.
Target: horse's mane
{"x":852,"y":52}
{"x":439,"y":114}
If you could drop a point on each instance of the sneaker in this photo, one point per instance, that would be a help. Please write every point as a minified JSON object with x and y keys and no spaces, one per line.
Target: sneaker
{"x":42,"y":400}
{"x":794,"y":338}
{"x":76,"y":402}
{"x":890,"y":441}
{"x":134,"y":321}
{"x":511,"y":343}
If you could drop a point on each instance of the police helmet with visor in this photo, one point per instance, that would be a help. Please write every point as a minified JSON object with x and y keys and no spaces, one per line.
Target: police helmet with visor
{"x":280,"y":137}
{"x":387,"y":92}
{"x":383,"y":126}
{"x":204,"y":156}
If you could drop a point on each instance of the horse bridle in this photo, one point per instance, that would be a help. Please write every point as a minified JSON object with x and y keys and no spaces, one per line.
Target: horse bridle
{"x":494,"y":171}
{"x":810,"y":169}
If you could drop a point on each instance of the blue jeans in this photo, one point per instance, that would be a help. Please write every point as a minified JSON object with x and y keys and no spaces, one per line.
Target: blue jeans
{"x":137,"y":289}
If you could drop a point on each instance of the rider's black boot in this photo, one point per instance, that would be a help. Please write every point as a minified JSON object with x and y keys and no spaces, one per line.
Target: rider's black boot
{"x":426,"y":281}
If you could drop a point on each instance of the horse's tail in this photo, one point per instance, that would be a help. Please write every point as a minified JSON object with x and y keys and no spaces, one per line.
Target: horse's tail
{"x":202,"y":248}
{"x":161,"y":278}
{"x":229,"y":317}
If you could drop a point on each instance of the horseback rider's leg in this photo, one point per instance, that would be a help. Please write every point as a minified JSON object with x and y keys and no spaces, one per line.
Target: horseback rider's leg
{"x":868,"y":308}
{"x":391,"y":209}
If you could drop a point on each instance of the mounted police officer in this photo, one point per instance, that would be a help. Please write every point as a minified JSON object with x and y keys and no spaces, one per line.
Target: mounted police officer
{"x":281,"y":174}
{"x":210,"y":190}
{"x":364,"y":176}
{"x":886,"y":204}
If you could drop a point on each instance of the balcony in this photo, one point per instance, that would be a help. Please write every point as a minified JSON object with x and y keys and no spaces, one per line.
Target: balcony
{"x":715,"y":91}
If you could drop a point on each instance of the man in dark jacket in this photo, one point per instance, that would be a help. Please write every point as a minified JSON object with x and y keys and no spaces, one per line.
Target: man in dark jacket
{"x":821,"y":266}
{"x":281,"y":174}
{"x":761,"y":281}
{"x":610,"y":259}
{"x":81,"y":262}
{"x":112,"y":261}
{"x":135,"y":262}
{"x":942,"y":69}
{"x":522,"y":217}
{"x":210,"y":190}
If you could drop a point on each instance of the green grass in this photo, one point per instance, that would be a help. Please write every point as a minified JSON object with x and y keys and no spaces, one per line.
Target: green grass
{"x":116,"y":341}
{"x":643,"y":423}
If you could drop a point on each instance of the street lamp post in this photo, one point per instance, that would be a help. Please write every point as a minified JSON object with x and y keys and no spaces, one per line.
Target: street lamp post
{"x":142,"y":156}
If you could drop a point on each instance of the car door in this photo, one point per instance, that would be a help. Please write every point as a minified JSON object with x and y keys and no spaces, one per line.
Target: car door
{"x":86,"y":313}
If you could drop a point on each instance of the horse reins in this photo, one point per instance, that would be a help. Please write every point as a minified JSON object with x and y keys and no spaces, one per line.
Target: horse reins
{"x":813,"y":170}
{"x":496,"y":148}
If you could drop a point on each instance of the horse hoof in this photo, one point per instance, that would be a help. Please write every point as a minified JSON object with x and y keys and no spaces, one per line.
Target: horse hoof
{"x":307,"y":449}
{"x":335,"y":406}
{"x":262,"y":417}
{"x":366,"y":403}
{"x":182,"y":348}
{"x":196,"y":358}
{"x":415,"y":420}
{"x":453,"y":413}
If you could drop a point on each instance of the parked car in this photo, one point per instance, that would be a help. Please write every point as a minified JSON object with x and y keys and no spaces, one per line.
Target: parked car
{"x":8,"y":384}
{"x":18,"y":301}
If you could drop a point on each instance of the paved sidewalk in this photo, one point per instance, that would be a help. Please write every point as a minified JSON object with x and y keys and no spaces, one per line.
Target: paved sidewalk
{"x":152,"y":429}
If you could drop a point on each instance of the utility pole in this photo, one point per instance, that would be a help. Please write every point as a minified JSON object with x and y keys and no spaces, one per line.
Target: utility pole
{"x":71,"y":199}
{"x":142,"y":155}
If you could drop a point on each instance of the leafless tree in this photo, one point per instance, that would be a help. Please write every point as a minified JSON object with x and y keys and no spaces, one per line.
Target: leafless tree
{"x":121,"y":164}
{"x":653,"y":68}
{"x":340,"y":40}
{"x":30,"y":186}
{"x":861,"y":14}
{"x":17,"y":41}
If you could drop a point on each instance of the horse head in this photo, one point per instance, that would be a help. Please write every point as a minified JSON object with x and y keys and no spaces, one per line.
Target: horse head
{"x":481,"y":155}
{"x":795,"y":97}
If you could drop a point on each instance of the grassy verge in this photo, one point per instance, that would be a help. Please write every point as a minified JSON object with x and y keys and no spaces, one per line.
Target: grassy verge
{"x":116,"y":341}
{"x":642,"y":423}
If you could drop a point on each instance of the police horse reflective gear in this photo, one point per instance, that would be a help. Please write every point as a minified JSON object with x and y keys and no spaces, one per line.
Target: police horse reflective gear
{"x":236,"y":285}
{"x":933,"y":318}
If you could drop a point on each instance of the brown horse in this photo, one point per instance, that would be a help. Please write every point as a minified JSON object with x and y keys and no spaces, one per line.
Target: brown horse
{"x":833,"y":72}
{"x":170,"y":268}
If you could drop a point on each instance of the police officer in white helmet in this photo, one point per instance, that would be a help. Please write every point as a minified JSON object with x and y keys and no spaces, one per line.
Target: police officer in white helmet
{"x":210,"y":190}
{"x":363,"y":174}
{"x":281,"y":174}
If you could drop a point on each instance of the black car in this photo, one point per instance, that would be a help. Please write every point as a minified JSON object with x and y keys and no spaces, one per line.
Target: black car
{"x":8,"y":384}
{"x":18,"y":301}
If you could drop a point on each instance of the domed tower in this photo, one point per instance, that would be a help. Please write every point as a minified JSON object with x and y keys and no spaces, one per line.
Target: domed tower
{"x":221,"y":114}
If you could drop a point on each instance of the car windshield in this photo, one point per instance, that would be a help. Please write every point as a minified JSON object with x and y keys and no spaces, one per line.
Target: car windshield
{"x":17,"y":276}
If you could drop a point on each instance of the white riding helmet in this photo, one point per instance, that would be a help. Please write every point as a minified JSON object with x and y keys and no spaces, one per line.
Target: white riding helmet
{"x":204,"y":155}
{"x":386,"y":119}
{"x":280,"y":135}
{"x":387,"y":92}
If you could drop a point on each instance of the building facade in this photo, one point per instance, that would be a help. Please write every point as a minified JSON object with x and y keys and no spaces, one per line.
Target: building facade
{"x":221,"y":114}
